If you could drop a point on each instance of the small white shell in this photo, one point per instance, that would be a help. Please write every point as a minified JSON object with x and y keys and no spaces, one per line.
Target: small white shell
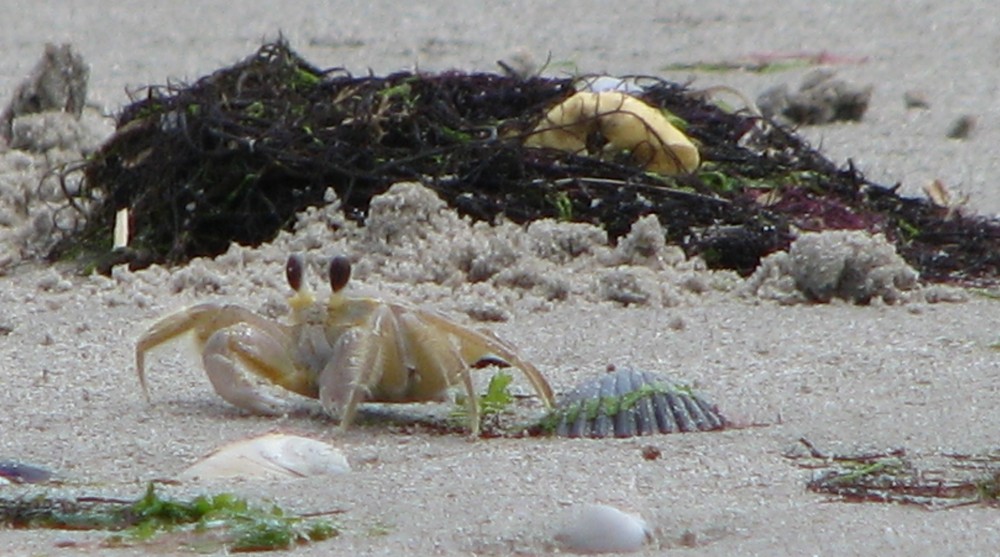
{"x":593,"y":529}
{"x":602,"y":83}
{"x":270,"y":456}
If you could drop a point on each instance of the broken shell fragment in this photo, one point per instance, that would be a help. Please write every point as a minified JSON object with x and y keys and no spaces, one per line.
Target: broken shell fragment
{"x":602,"y":83}
{"x":121,"y":229}
{"x":271,"y":456}
{"x":625,"y":122}
{"x":627,"y":403}
{"x":593,"y":529}
{"x":20,"y":473}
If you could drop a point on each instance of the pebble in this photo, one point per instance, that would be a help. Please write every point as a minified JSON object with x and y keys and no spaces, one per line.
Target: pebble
{"x":962,"y":127}
{"x":594,"y":529}
{"x":916,"y":99}
{"x":18,"y":472}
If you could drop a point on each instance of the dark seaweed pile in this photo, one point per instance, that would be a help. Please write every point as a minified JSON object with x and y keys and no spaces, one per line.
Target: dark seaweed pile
{"x":234,"y":156}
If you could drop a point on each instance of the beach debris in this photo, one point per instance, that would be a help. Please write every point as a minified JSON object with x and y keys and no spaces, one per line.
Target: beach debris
{"x":627,"y":402}
{"x":344,"y":351}
{"x":769,"y":62}
{"x":940,"y":195}
{"x":58,"y":83}
{"x":592,"y":529}
{"x":651,"y":452}
{"x":613,"y":122}
{"x":272,"y":456}
{"x":931,"y":481}
{"x":821,"y":98}
{"x":850,"y":265}
{"x":19,"y":472}
{"x":120,"y":238}
{"x":603,"y":83}
{"x":962,"y":127}
{"x":206,"y":524}
{"x":45,"y":130}
{"x":495,"y":401}
{"x":255,"y":153}
{"x":520,"y":64}
{"x":916,"y":99}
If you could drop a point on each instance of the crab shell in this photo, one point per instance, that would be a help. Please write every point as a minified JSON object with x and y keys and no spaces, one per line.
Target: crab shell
{"x":344,"y":351}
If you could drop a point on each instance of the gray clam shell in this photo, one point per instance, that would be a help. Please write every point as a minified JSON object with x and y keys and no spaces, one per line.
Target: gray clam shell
{"x":18,"y":472}
{"x":629,"y":402}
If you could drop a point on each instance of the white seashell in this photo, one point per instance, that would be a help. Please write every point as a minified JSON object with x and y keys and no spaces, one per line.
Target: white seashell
{"x":592,"y":529}
{"x":271,"y":456}
{"x":602,"y":83}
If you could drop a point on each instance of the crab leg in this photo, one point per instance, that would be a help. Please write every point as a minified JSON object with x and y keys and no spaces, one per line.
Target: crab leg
{"x":224,"y":334}
{"x":445,"y":361}
{"x":339,"y":391}
{"x":358,"y":360}
{"x":393,"y":348}
{"x":260,"y":353}
{"x":484,"y":345}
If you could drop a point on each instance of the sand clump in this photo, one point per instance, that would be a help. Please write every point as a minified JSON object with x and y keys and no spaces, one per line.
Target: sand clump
{"x":45,"y":128}
{"x":416,"y":249}
{"x":35,"y":211}
{"x":58,"y":83}
{"x":413,"y":246}
{"x":846,"y":265}
{"x":412,"y":237}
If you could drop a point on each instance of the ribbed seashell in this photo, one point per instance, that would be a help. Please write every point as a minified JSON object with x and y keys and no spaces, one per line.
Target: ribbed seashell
{"x":628,"y":402}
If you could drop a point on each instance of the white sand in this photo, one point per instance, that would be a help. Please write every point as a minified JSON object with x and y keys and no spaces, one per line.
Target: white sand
{"x":848,"y":378}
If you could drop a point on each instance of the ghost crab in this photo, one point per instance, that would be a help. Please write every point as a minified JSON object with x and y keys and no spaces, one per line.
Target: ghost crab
{"x":344,"y":351}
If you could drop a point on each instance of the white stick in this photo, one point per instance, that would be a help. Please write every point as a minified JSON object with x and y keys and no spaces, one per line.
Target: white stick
{"x":121,"y":229}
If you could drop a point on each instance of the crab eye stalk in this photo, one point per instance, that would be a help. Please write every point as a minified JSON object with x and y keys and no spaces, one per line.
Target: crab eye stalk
{"x":293,"y":271}
{"x":340,"y":272}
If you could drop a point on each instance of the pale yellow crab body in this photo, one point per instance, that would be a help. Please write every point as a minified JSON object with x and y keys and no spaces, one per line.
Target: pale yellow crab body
{"x":344,"y":351}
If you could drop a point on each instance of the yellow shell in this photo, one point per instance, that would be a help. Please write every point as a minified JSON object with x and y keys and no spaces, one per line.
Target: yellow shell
{"x":627,"y":123}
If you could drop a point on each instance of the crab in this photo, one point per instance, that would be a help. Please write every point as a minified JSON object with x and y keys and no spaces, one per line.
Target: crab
{"x":343,"y":351}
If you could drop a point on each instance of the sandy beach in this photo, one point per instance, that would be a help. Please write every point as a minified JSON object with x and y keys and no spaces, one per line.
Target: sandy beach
{"x":849,"y":379}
